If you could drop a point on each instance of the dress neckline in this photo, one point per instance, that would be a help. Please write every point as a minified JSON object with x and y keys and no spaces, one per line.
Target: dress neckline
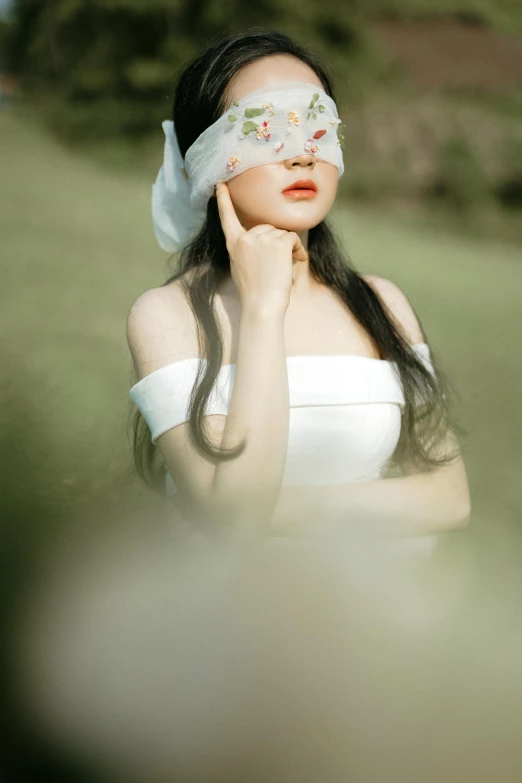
{"x":325,"y":356}
{"x":292,"y":360}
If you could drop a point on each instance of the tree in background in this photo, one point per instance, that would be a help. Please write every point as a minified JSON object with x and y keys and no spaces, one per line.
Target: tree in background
{"x":425,"y":119}
{"x":109,"y":67}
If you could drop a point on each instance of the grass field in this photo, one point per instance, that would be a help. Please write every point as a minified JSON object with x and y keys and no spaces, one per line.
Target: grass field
{"x":77,"y":248}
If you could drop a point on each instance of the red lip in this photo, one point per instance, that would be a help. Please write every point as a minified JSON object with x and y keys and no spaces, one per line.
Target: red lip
{"x":302,"y":184}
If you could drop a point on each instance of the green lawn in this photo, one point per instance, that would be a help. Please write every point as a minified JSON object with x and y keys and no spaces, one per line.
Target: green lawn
{"x":77,"y":248}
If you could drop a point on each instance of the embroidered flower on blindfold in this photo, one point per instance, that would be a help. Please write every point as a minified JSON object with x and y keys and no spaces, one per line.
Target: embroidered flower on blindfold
{"x":263,"y":130}
{"x":293,"y":120}
{"x":232,"y":163}
{"x":310,"y":146}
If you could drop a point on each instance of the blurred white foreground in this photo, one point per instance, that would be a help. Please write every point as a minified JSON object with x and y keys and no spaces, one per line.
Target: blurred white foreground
{"x":164,"y":659}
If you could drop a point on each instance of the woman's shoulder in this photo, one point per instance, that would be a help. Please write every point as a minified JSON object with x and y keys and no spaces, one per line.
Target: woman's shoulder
{"x":166,"y":300}
{"x":398,"y":305}
{"x":161,"y":328}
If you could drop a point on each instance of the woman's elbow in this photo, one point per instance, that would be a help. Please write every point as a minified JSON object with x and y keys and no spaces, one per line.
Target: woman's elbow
{"x":462,"y":520}
{"x":459,"y":502}
{"x":460,"y":516}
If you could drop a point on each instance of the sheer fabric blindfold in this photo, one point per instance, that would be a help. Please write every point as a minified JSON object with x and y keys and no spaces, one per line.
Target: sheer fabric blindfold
{"x":265,"y":126}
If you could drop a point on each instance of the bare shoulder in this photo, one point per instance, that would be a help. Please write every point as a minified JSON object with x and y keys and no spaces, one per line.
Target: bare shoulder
{"x":161,"y":328}
{"x":398,"y":305}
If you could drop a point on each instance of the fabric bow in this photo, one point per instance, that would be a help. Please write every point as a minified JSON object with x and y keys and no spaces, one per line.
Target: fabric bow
{"x":176,"y":221}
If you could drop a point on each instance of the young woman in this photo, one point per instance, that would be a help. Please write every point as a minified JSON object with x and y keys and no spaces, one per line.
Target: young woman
{"x":277,"y":385}
{"x":282,"y":663}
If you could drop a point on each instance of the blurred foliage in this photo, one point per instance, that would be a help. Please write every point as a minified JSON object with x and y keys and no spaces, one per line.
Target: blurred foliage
{"x":434,"y":148}
{"x":103,"y":73}
{"x":462,"y":181}
{"x":5,"y":30}
{"x":109,"y":67}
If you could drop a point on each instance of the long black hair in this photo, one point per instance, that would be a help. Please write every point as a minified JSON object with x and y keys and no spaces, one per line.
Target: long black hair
{"x":200,"y":99}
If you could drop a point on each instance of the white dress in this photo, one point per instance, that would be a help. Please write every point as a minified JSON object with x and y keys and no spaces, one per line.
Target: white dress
{"x":345,"y":416}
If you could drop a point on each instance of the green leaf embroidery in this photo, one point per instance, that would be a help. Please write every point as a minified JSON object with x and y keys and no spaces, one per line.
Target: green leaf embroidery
{"x":249,"y":126}
{"x":254,"y":112}
{"x":318,"y":107}
{"x":340,"y":135}
{"x":232,"y":116}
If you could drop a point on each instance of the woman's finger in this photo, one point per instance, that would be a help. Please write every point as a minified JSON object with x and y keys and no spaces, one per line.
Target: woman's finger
{"x":232,"y":228}
{"x":298,"y":250}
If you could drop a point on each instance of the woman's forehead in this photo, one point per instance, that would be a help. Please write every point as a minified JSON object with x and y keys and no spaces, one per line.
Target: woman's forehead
{"x":269,"y":72}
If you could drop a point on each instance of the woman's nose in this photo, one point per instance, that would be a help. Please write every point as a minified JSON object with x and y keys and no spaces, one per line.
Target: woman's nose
{"x":307,"y":160}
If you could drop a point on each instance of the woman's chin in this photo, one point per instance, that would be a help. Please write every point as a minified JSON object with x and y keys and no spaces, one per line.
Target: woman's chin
{"x":293,"y":219}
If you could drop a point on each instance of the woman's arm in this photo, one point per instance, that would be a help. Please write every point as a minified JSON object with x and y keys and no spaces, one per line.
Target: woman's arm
{"x":410,"y":505}
{"x":246,"y":488}
{"x":160,"y":330}
{"x":417,"y":504}
{"x":237,"y":496}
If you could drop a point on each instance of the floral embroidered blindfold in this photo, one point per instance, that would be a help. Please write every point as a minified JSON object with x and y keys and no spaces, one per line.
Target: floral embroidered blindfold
{"x":292,"y":118}
{"x":265,"y":126}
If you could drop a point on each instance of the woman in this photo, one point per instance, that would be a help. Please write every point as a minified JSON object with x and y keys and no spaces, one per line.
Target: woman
{"x":314,"y":380}
{"x":284,"y":663}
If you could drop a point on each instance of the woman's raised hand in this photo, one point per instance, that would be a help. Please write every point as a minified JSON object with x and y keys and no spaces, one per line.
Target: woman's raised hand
{"x":260,"y":259}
